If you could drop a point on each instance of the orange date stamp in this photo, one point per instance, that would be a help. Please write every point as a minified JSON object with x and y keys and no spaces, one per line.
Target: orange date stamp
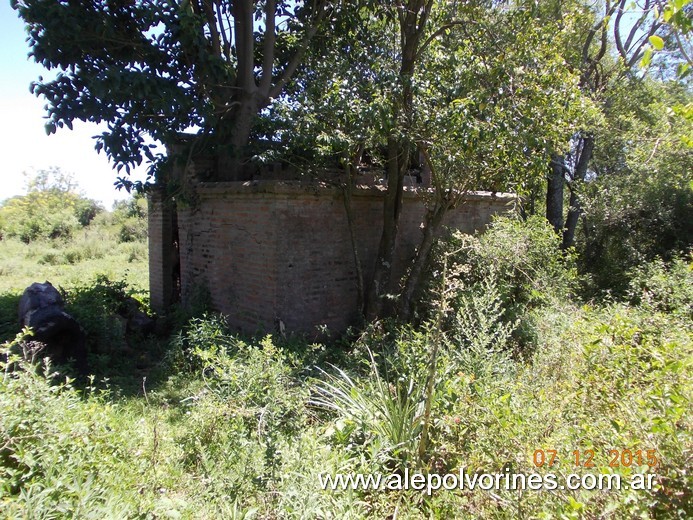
{"x":585,"y":458}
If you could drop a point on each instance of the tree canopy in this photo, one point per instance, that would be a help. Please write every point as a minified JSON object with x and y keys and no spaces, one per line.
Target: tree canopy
{"x":161,"y":68}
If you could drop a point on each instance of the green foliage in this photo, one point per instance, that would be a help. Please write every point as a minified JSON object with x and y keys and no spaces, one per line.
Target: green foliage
{"x":96,"y":249}
{"x":96,"y":306}
{"x":473,"y":106}
{"x":676,"y":16}
{"x":61,"y":456}
{"x":257,"y":377}
{"x":481,"y":333}
{"x":9,"y":319}
{"x":250,"y":405}
{"x":83,"y":267}
{"x":662,"y":287}
{"x":130,"y":216}
{"x":382,"y":417}
{"x":52,"y":208}
{"x":525,"y":257}
{"x":499,"y":277}
{"x":33,"y":217}
{"x":234,"y":431}
{"x":613,"y":378}
{"x":183,"y":67}
{"x":208,"y":333}
{"x":639,"y":207}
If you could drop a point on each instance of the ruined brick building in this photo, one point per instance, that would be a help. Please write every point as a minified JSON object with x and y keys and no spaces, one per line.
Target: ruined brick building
{"x":267,"y":251}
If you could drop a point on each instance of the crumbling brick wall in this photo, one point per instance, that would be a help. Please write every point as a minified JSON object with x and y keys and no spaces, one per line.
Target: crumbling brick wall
{"x":272,"y":250}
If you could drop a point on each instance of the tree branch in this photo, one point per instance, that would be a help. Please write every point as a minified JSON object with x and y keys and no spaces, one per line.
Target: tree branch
{"x":212,"y":22}
{"x":298,"y":55}
{"x":590,"y":64}
{"x":222,"y":30}
{"x":437,"y":33}
{"x":617,"y":30}
{"x":268,"y":47}
{"x":681,"y":47}
{"x":609,"y":11}
{"x":633,"y":31}
{"x":637,"y":53}
{"x":243,"y":32}
{"x":424,"y":17}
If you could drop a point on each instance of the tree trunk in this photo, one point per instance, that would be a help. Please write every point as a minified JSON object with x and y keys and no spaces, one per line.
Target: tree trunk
{"x":575,"y":209}
{"x":376,"y":304}
{"x":434,"y":221}
{"x":554,"y":193}
{"x":574,"y":212}
{"x":412,"y":23}
{"x":360,"y":294}
{"x":233,"y":138}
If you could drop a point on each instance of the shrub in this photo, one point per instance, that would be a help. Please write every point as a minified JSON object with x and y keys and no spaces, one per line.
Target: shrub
{"x":480,"y":332}
{"x":62,"y":456}
{"x":133,"y":229}
{"x":50,"y":209}
{"x":250,"y":398}
{"x":663,"y":287}
{"x":130,"y":218}
{"x":134,"y":207}
{"x":520,"y":262}
{"x":95,"y":305}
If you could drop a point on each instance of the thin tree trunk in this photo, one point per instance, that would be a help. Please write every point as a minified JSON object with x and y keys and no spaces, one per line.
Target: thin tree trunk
{"x":392,"y":207}
{"x":574,"y":212}
{"x":433,"y":223}
{"x":360,"y":295}
{"x":575,"y":209}
{"x":412,"y":19}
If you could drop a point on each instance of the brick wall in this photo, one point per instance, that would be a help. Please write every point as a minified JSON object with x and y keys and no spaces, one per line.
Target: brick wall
{"x":272,"y":250}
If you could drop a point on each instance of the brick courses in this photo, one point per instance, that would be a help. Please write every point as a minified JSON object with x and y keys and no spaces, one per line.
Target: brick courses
{"x":280,"y":250}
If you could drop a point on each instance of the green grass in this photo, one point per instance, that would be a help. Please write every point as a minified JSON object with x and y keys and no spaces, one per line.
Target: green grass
{"x":216,"y":426}
{"x":231,"y":431}
{"x":70,"y":263}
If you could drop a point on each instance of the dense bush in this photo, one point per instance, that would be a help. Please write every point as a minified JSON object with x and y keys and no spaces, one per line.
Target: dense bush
{"x":497,"y":279}
{"x":96,"y":306}
{"x":33,"y":217}
{"x":664,"y":287}
{"x":379,"y":415}
{"x":130,"y":216}
{"x":634,"y":225}
{"x":232,"y":432}
{"x":52,"y":208}
{"x":608,"y":379}
{"x":62,"y":456}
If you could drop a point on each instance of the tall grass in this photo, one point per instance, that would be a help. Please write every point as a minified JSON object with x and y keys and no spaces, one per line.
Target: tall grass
{"x":219,"y":426}
{"x":70,"y":262}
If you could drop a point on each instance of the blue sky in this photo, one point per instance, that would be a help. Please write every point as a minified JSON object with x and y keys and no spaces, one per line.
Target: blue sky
{"x":23,"y":140}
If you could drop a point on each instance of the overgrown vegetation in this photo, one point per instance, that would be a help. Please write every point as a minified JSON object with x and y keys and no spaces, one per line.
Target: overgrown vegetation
{"x":518,"y":346}
{"x":51,"y":209}
{"x":55,"y":233}
{"x":215,"y":425}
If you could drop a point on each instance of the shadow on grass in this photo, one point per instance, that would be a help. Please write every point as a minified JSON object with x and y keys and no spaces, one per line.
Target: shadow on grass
{"x":126,"y":361}
{"x":117,"y":358}
{"x":9,"y":321}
